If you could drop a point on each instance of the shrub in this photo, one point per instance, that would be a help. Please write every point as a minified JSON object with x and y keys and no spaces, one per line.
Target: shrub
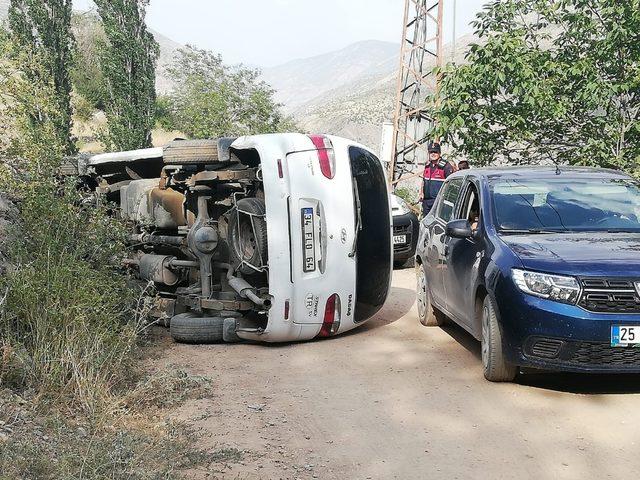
{"x":83,"y":109}
{"x":164,"y":116}
{"x":68,"y":324}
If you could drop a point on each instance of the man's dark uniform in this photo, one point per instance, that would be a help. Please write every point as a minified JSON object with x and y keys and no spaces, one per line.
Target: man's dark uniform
{"x":433,"y":177}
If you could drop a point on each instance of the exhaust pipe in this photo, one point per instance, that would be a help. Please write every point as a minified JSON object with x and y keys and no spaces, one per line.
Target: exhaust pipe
{"x":243,"y":288}
{"x":247,"y":291}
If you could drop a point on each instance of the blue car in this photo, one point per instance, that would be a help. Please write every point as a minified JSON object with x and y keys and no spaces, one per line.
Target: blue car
{"x":542,"y":265}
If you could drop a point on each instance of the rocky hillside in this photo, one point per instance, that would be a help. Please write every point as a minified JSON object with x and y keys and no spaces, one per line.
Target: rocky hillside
{"x":355,"y":109}
{"x":4,"y":8}
{"x":168,"y":50}
{"x":302,"y":81}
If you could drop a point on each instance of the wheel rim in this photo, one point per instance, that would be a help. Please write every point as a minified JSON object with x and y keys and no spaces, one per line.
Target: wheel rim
{"x":247,"y":241}
{"x":422,"y":294}
{"x":485,"y":336}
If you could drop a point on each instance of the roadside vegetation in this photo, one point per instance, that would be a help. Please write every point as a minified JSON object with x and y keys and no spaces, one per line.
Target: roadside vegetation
{"x":547,"y":82}
{"x":76,"y":400}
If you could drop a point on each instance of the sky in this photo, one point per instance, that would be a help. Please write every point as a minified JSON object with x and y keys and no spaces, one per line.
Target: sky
{"x":270,"y":32}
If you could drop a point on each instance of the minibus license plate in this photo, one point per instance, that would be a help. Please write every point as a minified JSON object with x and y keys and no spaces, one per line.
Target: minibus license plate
{"x":308,"y":240}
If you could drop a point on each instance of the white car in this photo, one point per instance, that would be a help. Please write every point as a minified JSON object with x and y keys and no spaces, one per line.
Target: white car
{"x":270,"y":238}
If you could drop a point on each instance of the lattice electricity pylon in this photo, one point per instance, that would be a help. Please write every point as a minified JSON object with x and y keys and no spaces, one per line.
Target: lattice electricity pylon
{"x":421,"y":51}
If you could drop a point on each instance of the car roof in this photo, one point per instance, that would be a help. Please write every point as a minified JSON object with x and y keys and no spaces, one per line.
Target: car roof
{"x":541,"y":172}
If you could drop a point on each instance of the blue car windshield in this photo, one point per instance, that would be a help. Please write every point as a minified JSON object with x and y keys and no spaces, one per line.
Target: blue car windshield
{"x":566,"y":204}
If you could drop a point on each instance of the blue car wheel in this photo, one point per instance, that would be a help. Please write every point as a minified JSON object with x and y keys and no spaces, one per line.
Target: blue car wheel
{"x":429,"y":315}
{"x":496,"y":368}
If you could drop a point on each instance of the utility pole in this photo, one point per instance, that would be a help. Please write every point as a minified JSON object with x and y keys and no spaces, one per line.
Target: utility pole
{"x":421,"y":51}
{"x":453,"y":35}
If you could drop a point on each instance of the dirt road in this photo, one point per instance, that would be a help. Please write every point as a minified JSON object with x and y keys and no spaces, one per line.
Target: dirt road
{"x":396,"y":400}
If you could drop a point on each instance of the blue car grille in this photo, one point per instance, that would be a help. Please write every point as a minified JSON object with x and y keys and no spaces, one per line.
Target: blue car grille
{"x":583,"y":354}
{"x":609,"y":296}
{"x":602,"y":354}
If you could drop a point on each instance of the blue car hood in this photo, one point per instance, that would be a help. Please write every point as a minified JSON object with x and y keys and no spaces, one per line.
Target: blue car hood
{"x":590,"y":254}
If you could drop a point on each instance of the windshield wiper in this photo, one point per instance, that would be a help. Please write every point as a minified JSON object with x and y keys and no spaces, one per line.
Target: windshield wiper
{"x":358,"y":219}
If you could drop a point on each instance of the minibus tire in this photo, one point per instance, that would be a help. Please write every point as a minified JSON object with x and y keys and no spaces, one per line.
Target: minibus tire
{"x":191,"y":152}
{"x":258,"y":259}
{"x":187,"y":328}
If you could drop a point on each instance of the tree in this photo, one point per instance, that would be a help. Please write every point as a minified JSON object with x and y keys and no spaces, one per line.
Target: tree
{"x":86,"y":75}
{"x":128,"y":61}
{"x":213,"y":99}
{"x":43,"y":27}
{"x":30,"y":143}
{"x":549,"y":81}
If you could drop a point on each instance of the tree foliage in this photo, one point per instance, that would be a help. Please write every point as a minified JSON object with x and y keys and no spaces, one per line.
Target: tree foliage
{"x":30,"y":141}
{"x":43,"y":29}
{"x":548,"y":81}
{"x":213,"y":99}
{"x":128,"y":61}
{"x":86,"y":75}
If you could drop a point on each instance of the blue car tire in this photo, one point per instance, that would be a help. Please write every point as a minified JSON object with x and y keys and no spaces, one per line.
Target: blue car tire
{"x":496,"y":368}
{"x":429,"y":315}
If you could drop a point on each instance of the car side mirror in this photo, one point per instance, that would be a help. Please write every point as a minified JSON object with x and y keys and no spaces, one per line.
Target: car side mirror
{"x":459,"y":229}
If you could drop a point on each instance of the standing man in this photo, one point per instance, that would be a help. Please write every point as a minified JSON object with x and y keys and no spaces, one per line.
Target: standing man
{"x":463,"y":165}
{"x":433,"y":177}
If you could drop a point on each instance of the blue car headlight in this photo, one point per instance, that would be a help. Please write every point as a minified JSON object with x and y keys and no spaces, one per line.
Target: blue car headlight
{"x":553,"y":287}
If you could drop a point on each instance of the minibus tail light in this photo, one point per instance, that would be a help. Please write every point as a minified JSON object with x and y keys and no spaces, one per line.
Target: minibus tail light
{"x":332,"y":313}
{"x":326,"y":155}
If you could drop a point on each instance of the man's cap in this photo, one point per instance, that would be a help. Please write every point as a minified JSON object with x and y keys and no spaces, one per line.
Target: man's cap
{"x":434,"y":148}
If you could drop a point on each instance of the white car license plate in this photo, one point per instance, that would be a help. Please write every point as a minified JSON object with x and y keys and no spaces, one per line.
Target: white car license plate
{"x":623,"y":336}
{"x":309,"y":240}
{"x":399,"y":239}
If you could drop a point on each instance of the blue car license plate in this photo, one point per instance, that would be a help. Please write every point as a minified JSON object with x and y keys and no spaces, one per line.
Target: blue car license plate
{"x":624,"y":336}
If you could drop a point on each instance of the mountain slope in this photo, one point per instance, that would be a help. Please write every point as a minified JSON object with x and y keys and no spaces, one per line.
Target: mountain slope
{"x":355,"y":111}
{"x":301,"y":81}
{"x":4,"y":9}
{"x":358,"y":109}
{"x":168,"y":51}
